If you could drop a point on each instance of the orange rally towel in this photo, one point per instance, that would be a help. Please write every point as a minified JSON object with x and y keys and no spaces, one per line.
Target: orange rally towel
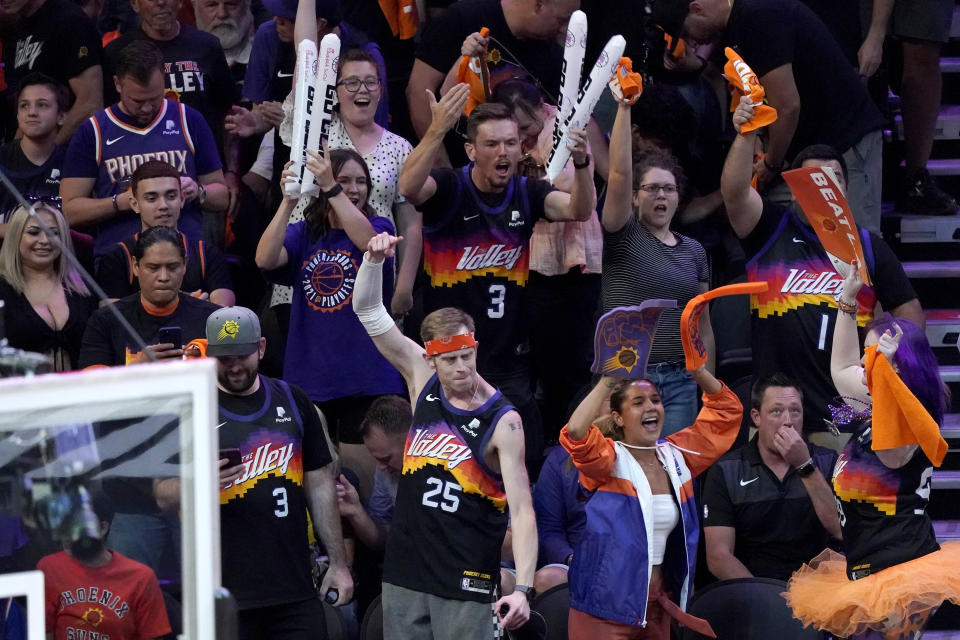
{"x":626,"y":85}
{"x":899,"y":419}
{"x":743,"y":82}
{"x":474,"y":71}
{"x":678,"y":51}
{"x":402,"y":17}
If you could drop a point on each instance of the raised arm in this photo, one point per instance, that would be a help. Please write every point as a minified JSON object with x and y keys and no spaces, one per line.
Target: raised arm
{"x":782,"y":94}
{"x":579,"y":203}
{"x":400,"y":351}
{"x":305,"y":26}
{"x":271,"y":254}
{"x":410,"y":228}
{"x":508,"y":441}
{"x":618,"y":205}
{"x":845,"y":366}
{"x":415,"y":183}
{"x":591,"y":407}
{"x":743,"y":203}
{"x":355,"y":224}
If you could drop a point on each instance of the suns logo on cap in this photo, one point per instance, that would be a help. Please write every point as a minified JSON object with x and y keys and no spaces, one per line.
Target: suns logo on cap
{"x":230,"y":329}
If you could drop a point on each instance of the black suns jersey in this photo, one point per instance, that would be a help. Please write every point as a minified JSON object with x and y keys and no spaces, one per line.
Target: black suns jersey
{"x":451,"y":510}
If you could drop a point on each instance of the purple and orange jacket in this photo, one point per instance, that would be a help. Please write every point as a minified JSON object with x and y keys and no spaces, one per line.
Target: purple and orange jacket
{"x":610,"y":572}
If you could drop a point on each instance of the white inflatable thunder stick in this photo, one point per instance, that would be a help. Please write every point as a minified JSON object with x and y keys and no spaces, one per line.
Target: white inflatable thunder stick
{"x":600,"y":75}
{"x":325,"y":92}
{"x":575,"y":46}
{"x":302,"y":113}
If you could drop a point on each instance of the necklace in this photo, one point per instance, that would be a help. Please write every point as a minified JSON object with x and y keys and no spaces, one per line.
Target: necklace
{"x":476,"y":388}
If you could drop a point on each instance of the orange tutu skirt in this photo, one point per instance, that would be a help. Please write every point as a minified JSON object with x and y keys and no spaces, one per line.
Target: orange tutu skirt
{"x":893,"y":602}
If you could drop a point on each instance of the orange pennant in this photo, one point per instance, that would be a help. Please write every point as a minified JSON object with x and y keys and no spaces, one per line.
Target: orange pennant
{"x":743,"y":82}
{"x":690,"y":338}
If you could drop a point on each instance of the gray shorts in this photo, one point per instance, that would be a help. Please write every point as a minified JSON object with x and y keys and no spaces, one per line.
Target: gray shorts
{"x":414,"y":615}
{"x":922,"y":19}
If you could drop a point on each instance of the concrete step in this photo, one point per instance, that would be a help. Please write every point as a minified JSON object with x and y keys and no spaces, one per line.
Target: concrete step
{"x":948,"y":123}
{"x":950,"y":373}
{"x":941,"y":166}
{"x":932,"y":269}
{"x":947,"y":530}
{"x":945,"y":479}
{"x":930,"y":229}
{"x":949,"y":65}
{"x":950,"y":429}
{"x":943,"y":327}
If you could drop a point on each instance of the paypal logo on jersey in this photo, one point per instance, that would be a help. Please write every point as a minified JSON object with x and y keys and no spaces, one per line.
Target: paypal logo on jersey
{"x":282,"y":415}
{"x":170,"y":128}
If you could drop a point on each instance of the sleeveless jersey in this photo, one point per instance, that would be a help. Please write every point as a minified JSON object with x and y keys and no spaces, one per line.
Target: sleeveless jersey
{"x":477,"y":258}
{"x":450,"y":515}
{"x":263,"y":515}
{"x":122,"y":147}
{"x":882,"y":510}
{"x":792,"y":321}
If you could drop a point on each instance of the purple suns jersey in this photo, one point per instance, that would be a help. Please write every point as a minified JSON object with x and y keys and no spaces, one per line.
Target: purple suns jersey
{"x":109,"y":147}
{"x":476,"y":254}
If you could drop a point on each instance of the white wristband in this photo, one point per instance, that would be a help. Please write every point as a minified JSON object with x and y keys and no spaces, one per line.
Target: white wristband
{"x":368,"y":299}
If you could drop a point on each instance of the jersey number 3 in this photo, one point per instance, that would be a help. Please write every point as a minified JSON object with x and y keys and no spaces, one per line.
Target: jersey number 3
{"x":498,"y":294}
{"x":449,"y":502}
{"x":283,"y":508}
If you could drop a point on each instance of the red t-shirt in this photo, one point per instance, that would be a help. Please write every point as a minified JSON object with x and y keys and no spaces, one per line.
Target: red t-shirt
{"x":120,"y":600}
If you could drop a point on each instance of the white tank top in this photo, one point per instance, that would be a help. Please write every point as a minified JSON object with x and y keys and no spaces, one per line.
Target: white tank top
{"x":665,"y":517}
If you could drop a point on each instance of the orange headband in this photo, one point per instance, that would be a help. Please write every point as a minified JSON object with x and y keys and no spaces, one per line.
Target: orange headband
{"x":446,"y":345}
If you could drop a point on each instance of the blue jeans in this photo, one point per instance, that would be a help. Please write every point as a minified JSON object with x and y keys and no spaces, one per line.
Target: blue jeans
{"x":678,"y":391}
{"x":146,"y":538}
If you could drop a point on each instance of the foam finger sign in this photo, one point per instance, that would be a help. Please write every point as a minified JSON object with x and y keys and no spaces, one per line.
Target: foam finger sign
{"x":624,"y":336}
{"x":694,"y":350}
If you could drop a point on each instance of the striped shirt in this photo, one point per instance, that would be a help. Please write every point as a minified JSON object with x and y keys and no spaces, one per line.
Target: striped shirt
{"x":637,"y":266}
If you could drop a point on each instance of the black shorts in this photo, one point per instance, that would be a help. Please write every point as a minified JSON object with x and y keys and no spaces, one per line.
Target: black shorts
{"x":302,"y":620}
{"x":344,"y":416}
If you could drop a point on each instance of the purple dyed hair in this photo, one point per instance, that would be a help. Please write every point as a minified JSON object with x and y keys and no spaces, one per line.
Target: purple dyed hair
{"x":918,"y":366}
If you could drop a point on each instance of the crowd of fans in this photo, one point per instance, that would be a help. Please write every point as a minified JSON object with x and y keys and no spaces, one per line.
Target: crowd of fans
{"x":153,"y":138}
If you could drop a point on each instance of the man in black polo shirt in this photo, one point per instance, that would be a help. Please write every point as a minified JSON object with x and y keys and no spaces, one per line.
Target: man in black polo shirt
{"x":767,"y":506}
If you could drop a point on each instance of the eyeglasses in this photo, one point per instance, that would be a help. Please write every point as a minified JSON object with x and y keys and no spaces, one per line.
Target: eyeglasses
{"x":353,"y":84}
{"x":668,"y":189}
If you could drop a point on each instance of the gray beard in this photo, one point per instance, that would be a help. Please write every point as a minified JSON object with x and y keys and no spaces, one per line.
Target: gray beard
{"x":232,"y":38}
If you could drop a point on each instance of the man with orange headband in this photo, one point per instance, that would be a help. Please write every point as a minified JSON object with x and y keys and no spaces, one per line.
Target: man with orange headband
{"x":462,"y":468}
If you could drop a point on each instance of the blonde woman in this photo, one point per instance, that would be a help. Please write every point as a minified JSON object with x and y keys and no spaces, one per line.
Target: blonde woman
{"x":46,"y":304}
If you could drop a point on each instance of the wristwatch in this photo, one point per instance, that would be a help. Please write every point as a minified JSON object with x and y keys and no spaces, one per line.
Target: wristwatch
{"x":530,"y":592}
{"x":584,"y":164}
{"x":806,"y":469}
{"x":333,"y":191}
{"x":201,"y":194}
